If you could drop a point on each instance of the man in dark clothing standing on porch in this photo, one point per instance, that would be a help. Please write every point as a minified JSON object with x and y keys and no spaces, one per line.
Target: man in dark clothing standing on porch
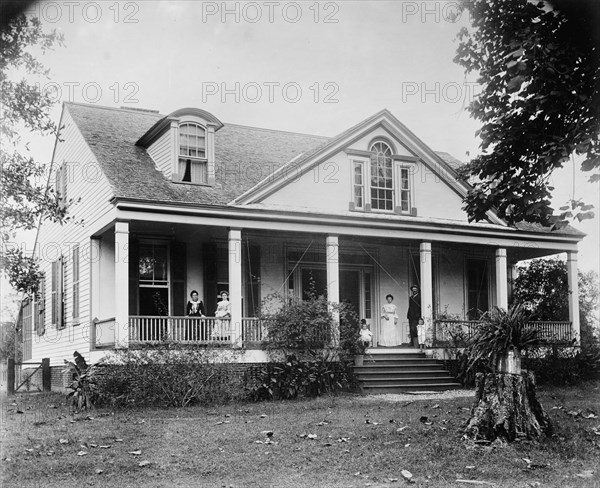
{"x":414,"y":314}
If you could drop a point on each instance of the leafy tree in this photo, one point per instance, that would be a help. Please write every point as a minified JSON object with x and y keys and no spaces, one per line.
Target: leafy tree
{"x":539,"y":66}
{"x":25,"y":199}
{"x":542,"y":287}
{"x":10,"y":344}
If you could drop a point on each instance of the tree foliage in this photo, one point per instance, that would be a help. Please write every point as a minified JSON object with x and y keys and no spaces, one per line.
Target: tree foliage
{"x":539,"y":66}
{"x":25,"y":199}
{"x":542,"y":286}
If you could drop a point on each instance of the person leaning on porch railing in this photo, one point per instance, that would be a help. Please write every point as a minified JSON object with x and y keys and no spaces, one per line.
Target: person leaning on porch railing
{"x":414,"y":314}
{"x":194,"y":308}
{"x":223,"y":314}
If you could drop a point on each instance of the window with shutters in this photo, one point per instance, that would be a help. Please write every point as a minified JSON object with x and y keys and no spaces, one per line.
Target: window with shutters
{"x":58,"y":315}
{"x":358,"y":184}
{"x":75,"y":268}
{"x":27,"y":328}
{"x":61,"y":177}
{"x":193,"y":163}
{"x":40,"y":307}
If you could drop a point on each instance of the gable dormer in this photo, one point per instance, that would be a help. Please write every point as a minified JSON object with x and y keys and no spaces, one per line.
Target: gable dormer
{"x":182,"y":146}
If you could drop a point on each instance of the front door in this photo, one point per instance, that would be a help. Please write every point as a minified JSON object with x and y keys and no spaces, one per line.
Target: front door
{"x":313,"y":281}
{"x":350,"y":289}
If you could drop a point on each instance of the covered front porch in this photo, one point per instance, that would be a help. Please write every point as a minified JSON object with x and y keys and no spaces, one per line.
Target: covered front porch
{"x":145,"y":271}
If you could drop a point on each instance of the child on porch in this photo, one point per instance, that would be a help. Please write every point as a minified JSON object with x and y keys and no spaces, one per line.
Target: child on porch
{"x":366,"y":336}
{"x":421,"y":332}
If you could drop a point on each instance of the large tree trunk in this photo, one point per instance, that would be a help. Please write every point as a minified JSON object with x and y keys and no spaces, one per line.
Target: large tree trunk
{"x":506,"y":406}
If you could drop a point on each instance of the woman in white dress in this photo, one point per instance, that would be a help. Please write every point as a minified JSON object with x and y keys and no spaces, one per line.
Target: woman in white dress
{"x":223,"y":314}
{"x":389,"y":323}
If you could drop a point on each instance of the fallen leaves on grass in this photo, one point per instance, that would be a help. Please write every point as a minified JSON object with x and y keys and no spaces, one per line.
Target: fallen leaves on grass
{"x":407,"y":475}
{"x":531,"y":465}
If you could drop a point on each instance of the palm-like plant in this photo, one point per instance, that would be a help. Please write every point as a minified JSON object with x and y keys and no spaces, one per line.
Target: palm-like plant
{"x":81,"y":387}
{"x":501,"y":331}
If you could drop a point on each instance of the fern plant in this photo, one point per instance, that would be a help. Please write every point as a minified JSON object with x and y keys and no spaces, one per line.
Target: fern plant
{"x":499,"y":332}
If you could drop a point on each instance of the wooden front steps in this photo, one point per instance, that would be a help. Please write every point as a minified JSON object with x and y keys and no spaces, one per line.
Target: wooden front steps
{"x":401,"y":370}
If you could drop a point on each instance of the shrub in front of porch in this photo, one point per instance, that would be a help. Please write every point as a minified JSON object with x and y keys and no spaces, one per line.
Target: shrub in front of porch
{"x":169,"y":375}
{"x":310,"y":345}
{"x":563,"y":365}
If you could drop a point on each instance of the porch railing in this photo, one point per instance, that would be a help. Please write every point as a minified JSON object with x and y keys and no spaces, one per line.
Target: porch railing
{"x":553,"y":332}
{"x":152,"y":329}
{"x":148,"y":329}
{"x":254,"y":330}
{"x":449,"y":332}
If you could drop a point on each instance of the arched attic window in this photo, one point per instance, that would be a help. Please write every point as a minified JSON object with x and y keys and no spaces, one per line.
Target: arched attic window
{"x":382,"y":178}
{"x":193,"y":164}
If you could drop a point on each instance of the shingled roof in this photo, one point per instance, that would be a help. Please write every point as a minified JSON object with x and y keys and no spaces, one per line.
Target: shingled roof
{"x":244,"y":157}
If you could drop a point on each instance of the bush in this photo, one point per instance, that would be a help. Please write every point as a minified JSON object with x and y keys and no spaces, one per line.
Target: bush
{"x":168,"y":375}
{"x":307,"y":356}
{"x":296,"y":378}
{"x":561,"y":366}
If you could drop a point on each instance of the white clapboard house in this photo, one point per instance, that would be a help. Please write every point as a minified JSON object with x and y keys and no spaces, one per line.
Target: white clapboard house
{"x":167,"y":204}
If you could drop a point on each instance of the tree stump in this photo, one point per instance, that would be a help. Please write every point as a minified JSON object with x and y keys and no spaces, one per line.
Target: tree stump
{"x":506,"y":407}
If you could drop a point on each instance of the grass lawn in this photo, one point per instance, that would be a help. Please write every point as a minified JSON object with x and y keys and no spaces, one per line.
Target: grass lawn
{"x":359,"y":442}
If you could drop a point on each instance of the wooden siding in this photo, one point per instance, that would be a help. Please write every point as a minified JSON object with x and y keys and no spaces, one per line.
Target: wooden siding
{"x":89,"y":188}
{"x":161,"y":152}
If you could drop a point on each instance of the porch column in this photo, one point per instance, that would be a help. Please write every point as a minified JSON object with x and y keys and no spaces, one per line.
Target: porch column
{"x":573,"y":282}
{"x":121,"y":284}
{"x":427,"y":289}
{"x":333,"y":278}
{"x":235,"y":285}
{"x":501,"y":279}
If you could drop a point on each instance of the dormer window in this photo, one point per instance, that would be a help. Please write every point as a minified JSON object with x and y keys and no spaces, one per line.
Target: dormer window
{"x":182,"y":146}
{"x":193,"y":167}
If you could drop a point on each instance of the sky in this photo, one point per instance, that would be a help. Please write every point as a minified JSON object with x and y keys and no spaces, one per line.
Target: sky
{"x":306,"y":66}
